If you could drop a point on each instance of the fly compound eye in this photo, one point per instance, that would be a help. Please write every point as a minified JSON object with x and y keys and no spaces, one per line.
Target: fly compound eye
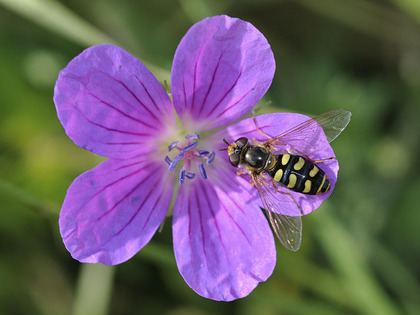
{"x":234,"y":159}
{"x":241,"y":142}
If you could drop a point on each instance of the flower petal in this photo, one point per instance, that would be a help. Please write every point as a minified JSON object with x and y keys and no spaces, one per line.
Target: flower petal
{"x":222,"y":67}
{"x":110,"y":104}
{"x":312,"y":143}
{"x":113,"y":210}
{"x":223,"y":250}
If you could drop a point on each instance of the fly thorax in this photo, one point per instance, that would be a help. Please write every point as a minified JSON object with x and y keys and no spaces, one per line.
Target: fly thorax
{"x":256,"y":157}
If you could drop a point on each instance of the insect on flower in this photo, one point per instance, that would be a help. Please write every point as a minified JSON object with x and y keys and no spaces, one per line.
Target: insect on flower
{"x":268,"y":168}
{"x":165,"y":149}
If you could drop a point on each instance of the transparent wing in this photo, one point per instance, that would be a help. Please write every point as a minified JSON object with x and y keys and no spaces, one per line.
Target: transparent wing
{"x":332,"y":122}
{"x":288,"y":229}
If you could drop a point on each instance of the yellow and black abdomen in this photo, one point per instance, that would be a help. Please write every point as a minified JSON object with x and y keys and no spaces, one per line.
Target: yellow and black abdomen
{"x":299,"y":174}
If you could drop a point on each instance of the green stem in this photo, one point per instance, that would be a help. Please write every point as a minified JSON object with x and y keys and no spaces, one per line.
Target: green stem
{"x":93,"y":290}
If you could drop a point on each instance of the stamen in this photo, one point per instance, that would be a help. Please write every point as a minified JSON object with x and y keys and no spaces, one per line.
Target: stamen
{"x":202,"y":170}
{"x":189,"y":147}
{"x":168,"y":160}
{"x":172,"y":145}
{"x":192,"y":136}
{"x":173,"y":164}
{"x":181,"y":176}
{"x":188,"y":153}
{"x":189,"y":175}
{"x":210,"y":157}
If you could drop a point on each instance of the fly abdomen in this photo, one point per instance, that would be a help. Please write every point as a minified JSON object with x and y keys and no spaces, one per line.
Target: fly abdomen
{"x":299,"y":174}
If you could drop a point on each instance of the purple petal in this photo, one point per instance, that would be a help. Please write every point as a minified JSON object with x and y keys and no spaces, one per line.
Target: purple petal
{"x":311,"y":142}
{"x":223,"y":248}
{"x":222,"y":67}
{"x":113,"y":210}
{"x":110,"y":104}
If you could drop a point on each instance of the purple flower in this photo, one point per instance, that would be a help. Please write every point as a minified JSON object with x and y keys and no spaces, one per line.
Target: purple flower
{"x":111,"y":105}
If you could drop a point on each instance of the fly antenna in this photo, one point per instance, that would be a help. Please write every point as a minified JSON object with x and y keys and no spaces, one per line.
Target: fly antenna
{"x":225,"y":149}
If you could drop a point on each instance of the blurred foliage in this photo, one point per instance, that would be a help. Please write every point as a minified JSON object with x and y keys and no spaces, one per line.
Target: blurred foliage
{"x":361,"y":249}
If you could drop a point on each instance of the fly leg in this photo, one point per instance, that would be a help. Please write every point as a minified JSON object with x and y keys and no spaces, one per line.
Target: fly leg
{"x":328,"y":159}
{"x":258,"y":129}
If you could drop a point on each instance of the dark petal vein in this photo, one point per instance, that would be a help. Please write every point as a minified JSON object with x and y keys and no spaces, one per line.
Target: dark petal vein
{"x":110,"y":129}
{"x":123,"y":113}
{"x":225,"y":95}
{"x":134,"y":95}
{"x":213,"y":214}
{"x":211,"y":84}
{"x":148,"y":94}
{"x":128,"y":194}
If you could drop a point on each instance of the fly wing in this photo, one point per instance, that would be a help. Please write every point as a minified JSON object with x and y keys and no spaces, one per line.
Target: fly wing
{"x":288,"y":229}
{"x":305,"y":134}
{"x":333,"y":122}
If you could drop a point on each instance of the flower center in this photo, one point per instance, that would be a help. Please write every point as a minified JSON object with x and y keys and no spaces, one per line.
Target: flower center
{"x":190,"y":156}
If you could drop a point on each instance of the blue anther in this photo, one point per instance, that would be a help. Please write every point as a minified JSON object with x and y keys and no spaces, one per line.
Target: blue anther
{"x":189,"y":175}
{"x":189,"y":147}
{"x":202,"y":170}
{"x":192,"y":136}
{"x":203,"y":153}
{"x":173,"y":164}
{"x":181,"y":176}
{"x":172,"y":145}
{"x":210,"y":157}
{"x":168,"y":160}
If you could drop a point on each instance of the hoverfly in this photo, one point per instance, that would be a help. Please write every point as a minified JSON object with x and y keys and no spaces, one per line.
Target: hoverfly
{"x":292,"y":170}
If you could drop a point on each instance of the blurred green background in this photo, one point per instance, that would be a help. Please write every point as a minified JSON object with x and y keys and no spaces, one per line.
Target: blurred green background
{"x":361,"y":249}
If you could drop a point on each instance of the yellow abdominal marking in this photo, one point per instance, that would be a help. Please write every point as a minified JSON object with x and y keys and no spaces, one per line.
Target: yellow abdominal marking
{"x":292,"y":181}
{"x":299,"y":164}
{"x":308,"y":185}
{"x":313,"y":171}
{"x":285,"y":159}
{"x":322,"y":184}
{"x":279,"y":175}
